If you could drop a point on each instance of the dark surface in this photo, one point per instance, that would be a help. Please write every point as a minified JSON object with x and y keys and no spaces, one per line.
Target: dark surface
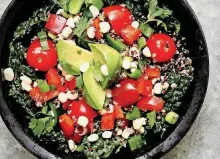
{"x":198,"y":52}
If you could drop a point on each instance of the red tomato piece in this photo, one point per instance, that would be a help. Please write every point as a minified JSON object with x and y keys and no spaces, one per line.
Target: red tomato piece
{"x":119,"y":114}
{"x":81,"y":108}
{"x":151,"y":103}
{"x":77,"y":138}
{"x":144,"y":86}
{"x":53,"y":78}
{"x":163,"y":46}
{"x":152,"y":72}
{"x":107,"y":122}
{"x":62,"y":88}
{"x":39,"y":59}
{"x":66,"y":104}
{"x":130,"y":34}
{"x":127,"y":93}
{"x":66,"y":125}
{"x":55,"y":23}
{"x":123,"y":123}
{"x":39,"y":96}
{"x":91,"y":126}
{"x":118,"y":16}
{"x":71,"y":85}
{"x":98,"y":34}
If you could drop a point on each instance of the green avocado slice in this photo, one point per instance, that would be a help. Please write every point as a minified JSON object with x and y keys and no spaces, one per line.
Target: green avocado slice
{"x":106,"y":55}
{"x":74,"y":6}
{"x":93,"y":92}
{"x":72,"y":56}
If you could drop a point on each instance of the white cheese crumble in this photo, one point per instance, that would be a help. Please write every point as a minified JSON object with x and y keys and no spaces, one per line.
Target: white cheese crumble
{"x":107,"y":134}
{"x":157,"y":88}
{"x":83,"y":121}
{"x":91,"y":32}
{"x":84,"y":67}
{"x":94,"y":10}
{"x":135,"y":24}
{"x":104,"y":70}
{"x":93,"y":137}
{"x":9,"y":74}
{"x":146,"y":52}
{"x":62,"y":97}
{"x":104,"y":27}
{"x":66,"y":32}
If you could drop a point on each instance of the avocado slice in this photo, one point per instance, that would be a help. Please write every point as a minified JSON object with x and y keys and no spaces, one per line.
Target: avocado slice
{"x":72,"y":56}
{"x":93,"y":92}
{"x":74,"y":6}
{"x":106,"y":55}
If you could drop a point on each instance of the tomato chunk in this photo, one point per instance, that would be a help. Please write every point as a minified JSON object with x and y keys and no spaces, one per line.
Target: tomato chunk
{"x":119,"y":114}
{"x":66,"y":104}
{"x":53,"y":78}
{"x":62,"y":88}
{"x":144,"y":86}
{"x":107,"y":122}
{"x":39,"y":59}
{"x":123,"y":123}
{"x":81,"y":108}
{"x":130,"y":34}
{"x":118,"y":16}
{"x":55,"y":23}
{"x":39,"y":96}
{"x":152,"y":72}
{"x":66,"y":125}
{"x":127,"y":93}
{"x":71,"y":85}
{"x":163,"y":46}
{"x":151,"y":103}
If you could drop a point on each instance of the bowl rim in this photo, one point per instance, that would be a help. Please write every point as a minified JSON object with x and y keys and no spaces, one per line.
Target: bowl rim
{"x":174,"y":138}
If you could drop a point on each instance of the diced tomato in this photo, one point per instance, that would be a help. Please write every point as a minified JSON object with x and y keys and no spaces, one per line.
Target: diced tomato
{"x":81,"y":108}
{"x":152,"y":72}
{"x":151,"y":103}
{"x":98,"y":34}
{"x":55,"y":23}
{"x":62,"y":88}
{"x":39,"y":96}
{"x":130,"y":34}
{"x":123,"y":123}
{"x":71,"y":85}
{"x":53,"y":77}
{"x":107,"y":122}
{"x":66,"y":104}
{"x":119,"y":114}
{"x":66,"y":125}
{"x":77,"y":138}
{"x":91,"y":126}
{"x":127,"y":93}
{"x":144,"y":86}
{"x":118,"y":16}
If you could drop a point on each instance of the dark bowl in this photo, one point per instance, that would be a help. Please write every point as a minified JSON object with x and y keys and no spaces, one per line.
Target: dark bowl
{"x":18,"y":11}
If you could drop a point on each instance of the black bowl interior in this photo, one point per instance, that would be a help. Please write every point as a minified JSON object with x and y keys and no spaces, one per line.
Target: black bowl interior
{"x":13,"y":116}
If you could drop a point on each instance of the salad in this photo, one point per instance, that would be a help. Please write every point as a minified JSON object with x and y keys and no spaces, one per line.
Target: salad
{"x":95,"y":77}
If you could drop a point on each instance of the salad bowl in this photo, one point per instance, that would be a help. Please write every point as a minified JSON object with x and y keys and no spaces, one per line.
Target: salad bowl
{"x":19,"y":10}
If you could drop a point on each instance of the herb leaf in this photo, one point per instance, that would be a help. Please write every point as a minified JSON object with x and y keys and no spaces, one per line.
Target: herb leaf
{"x":82,"y":25}
{"x":151,"y":118}
{"x":97,"y":73}
{"x":79,"y":82}
{"x":134,"y":114}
